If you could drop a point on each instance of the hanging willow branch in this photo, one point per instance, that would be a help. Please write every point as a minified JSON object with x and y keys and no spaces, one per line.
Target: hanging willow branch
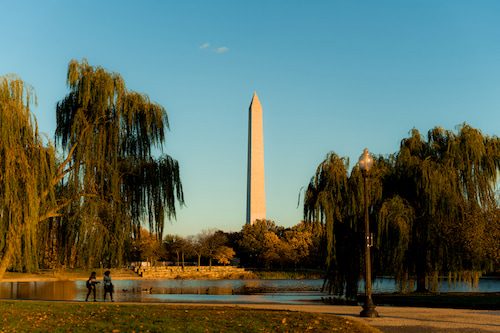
{"x":324,"y":201}
{"x":325,"y":197}
{"x":27,"y":169}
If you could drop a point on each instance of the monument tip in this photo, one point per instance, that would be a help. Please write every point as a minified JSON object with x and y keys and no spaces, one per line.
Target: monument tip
{"x":255,"y":98}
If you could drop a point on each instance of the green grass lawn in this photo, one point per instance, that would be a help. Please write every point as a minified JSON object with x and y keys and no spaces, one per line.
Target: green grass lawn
{"x":31,"y":316}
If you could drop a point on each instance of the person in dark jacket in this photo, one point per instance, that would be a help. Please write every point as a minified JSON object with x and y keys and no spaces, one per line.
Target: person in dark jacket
{"x":108,"y":285}
{"x":91,"y":286}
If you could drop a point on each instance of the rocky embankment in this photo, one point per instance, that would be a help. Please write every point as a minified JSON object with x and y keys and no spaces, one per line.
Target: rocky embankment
{"x":190,"y":272}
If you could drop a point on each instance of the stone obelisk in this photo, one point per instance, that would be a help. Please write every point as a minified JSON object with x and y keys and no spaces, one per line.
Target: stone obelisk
{"x":256,"y":195}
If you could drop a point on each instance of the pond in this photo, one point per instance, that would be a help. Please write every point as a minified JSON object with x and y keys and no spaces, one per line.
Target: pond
{"x":209,"y":291}
{"x":485,"y":285}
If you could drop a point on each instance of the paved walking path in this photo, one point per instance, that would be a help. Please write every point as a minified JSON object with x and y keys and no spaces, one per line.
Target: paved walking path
{"x":402,"y":319}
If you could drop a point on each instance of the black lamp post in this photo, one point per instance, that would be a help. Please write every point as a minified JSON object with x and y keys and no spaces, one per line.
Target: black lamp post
{"x":365,"y":164}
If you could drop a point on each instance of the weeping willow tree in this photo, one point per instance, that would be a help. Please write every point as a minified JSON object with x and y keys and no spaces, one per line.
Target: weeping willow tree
{"x":440,"y":214}
{"x":432,"y":208}
{"x":110,"y":135}
{"x":27,"y":178}
{"x":335,"y":198}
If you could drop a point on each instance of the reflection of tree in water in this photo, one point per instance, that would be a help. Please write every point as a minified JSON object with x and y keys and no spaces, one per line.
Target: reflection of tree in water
{"x":42,"y":290}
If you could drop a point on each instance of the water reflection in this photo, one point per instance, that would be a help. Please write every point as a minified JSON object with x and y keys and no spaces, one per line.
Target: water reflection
{"x":52,"y":290}
{"x":289,"y":291}
{"x":485,"y":284}
{"x":234,"y":291}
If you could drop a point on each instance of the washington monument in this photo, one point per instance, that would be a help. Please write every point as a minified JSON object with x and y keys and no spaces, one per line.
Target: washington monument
{"x":256,"y":194}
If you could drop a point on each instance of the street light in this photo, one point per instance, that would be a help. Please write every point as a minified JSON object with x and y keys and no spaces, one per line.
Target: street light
{"x":365,"y":164}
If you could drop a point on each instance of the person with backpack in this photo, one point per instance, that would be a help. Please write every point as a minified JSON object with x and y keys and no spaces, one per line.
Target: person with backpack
{"x":91,"y":286}
{"x":108,"y":285}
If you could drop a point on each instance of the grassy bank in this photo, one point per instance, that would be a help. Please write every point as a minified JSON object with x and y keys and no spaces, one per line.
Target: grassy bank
{"x":22,"y":316}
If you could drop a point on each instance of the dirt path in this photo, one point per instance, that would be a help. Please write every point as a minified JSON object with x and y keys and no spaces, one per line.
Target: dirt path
{"x":402,"y":319}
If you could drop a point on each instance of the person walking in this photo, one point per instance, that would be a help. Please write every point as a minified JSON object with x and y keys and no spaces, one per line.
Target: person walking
{"x":91,"y":286}
{"x":108,"y":285}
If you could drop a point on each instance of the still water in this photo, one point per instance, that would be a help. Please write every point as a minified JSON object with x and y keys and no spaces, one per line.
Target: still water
{"x":208,"y":291}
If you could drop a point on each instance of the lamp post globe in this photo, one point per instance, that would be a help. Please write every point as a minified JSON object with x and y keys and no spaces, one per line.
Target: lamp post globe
{"x":365,"y":161}
{"x":365,"y":164}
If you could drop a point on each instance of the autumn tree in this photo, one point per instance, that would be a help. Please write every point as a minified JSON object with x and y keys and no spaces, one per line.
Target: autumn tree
{"x":196,"y":245}
{"x":298,"y":244}
{"x":252,"y":242}
{"x":148,"y":247}
{"x":210,"y":241}
{"x":179,"y":246}
{"x":310,"y":244}
{"x":224,"y":255}
{"x":113,"y":134}
{"x":273,"y":250}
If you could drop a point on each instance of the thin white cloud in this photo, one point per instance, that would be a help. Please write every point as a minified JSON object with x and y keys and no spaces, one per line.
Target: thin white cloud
{"x":221,"y":49}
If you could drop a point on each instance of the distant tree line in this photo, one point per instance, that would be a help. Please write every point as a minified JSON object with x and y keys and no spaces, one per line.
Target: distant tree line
{"x":433,"y":206}
{"x":262,"y":245}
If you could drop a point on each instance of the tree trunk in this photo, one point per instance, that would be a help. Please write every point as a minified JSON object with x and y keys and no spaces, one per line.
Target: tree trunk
{"x":9,"y":252}
{"x":421,"y":268}
{"x":73,"y":256}
{"x":421,"y":283}
{"x":177,"y":258}
{"x":199,"y":260}
{"x":210,"y":263}
{"x":183,"y":261}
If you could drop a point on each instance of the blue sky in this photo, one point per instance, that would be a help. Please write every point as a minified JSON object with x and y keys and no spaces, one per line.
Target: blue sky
{"x":331,"y":76}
